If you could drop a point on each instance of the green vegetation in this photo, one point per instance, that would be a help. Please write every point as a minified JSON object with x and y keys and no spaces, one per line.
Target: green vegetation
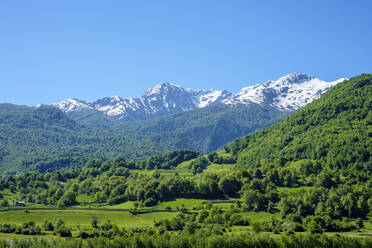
{"x":83,"y":218}
{"x":209,"y":238}
{"x":46,"y":139}
{"x":333,"y":131}
{"x":167,"y":160}
{"x":208,"y":129}
{"x":309,"y":174}
{"x":277,"y":208}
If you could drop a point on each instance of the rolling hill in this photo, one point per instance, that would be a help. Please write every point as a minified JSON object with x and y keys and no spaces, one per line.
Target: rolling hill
{"x":334,"y":130}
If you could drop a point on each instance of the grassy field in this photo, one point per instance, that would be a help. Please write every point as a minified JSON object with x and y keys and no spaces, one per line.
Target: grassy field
{"x":368,"y":225}
{"x":260,"y":216}
{"x":180,"y":171}
{"x":186,"y":202}
{"x":84,"y":198}
{"x":11,"y":197}
{"x":184,"y":170}
{"x":218,"y":168}
{"x":11,"y":236}
{"x":293,"y":189}
{"x":83,"y":218}
{"x":124,"y":205}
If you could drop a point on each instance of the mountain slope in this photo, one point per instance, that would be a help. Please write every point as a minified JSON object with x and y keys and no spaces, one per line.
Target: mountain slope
{"x":207,"y":129}
{"x":334,"y":130}
{"x":45,"y":138}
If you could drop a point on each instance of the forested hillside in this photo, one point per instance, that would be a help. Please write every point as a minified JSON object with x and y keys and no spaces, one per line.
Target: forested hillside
{"x":45,"y":138}
{"x":209,"y":128}
{"x":334,"y":131}
{"x":205,"y":129}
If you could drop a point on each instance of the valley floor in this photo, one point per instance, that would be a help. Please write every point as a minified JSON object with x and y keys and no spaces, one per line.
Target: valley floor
{"x":126,"y":217}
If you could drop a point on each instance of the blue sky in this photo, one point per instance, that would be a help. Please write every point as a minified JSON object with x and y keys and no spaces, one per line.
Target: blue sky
{"x":54,"y":50}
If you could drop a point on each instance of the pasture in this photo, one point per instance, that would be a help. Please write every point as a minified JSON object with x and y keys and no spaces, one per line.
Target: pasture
{"x":83,"y":218}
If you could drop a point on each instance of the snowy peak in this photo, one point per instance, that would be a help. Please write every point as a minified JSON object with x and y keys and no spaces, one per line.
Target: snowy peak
{"x":163,"y":99}
{"x":162,"y":88}
{"x":194,"y":98}
{"x":170,"y":98}
{"x":294,"y":78}
{"x":73,"y":105}
{"x":204,"y":98}
{"x":288,"y":93}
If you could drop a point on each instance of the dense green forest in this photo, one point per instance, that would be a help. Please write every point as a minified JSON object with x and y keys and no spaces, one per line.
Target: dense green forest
{"x":208,"y":129}
{"x":44,"y":138}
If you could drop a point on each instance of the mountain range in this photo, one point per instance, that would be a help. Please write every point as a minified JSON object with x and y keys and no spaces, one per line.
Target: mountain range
{"x":165,"y":118}
{"x":286,"y":94}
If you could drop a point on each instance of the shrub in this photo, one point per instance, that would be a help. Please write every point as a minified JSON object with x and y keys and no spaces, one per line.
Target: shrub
{"x":48,"y":226}
{"x":63,"y":232}
{"x":83,"y":234}
{"x":150,"y":202}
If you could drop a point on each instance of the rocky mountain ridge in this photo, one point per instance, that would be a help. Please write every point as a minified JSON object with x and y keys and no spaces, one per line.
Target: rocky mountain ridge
{"x":286,"y":94}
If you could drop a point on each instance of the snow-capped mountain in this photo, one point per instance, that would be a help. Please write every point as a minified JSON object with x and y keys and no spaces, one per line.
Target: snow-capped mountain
{"x":163,"y":99}
{"x":73,"y":105}
{"x":288,"y":93}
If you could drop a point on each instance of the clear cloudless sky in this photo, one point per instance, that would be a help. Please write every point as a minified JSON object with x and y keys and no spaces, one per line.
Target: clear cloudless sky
{"x":88,"y":49}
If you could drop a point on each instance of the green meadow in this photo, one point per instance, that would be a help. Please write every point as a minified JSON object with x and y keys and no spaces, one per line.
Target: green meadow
{"x":83,"y":218}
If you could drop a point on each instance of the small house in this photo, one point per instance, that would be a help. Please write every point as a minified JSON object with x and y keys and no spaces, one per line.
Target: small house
{"x":21,"y":203}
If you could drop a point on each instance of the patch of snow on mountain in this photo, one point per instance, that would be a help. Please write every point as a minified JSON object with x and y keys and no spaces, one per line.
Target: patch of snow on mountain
{"x":293,"y":96}
{"x":288,"y":93}
{"x":204,"y":98}
{"x":111,"y":106}
{"x":72,"y":105}
{"x":248,"y":94}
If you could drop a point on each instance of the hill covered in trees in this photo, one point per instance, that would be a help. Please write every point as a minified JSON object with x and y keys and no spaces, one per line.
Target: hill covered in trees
{"x":44,"y":138}
{"x":208,"y":129}
{"x":334,"y":131}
